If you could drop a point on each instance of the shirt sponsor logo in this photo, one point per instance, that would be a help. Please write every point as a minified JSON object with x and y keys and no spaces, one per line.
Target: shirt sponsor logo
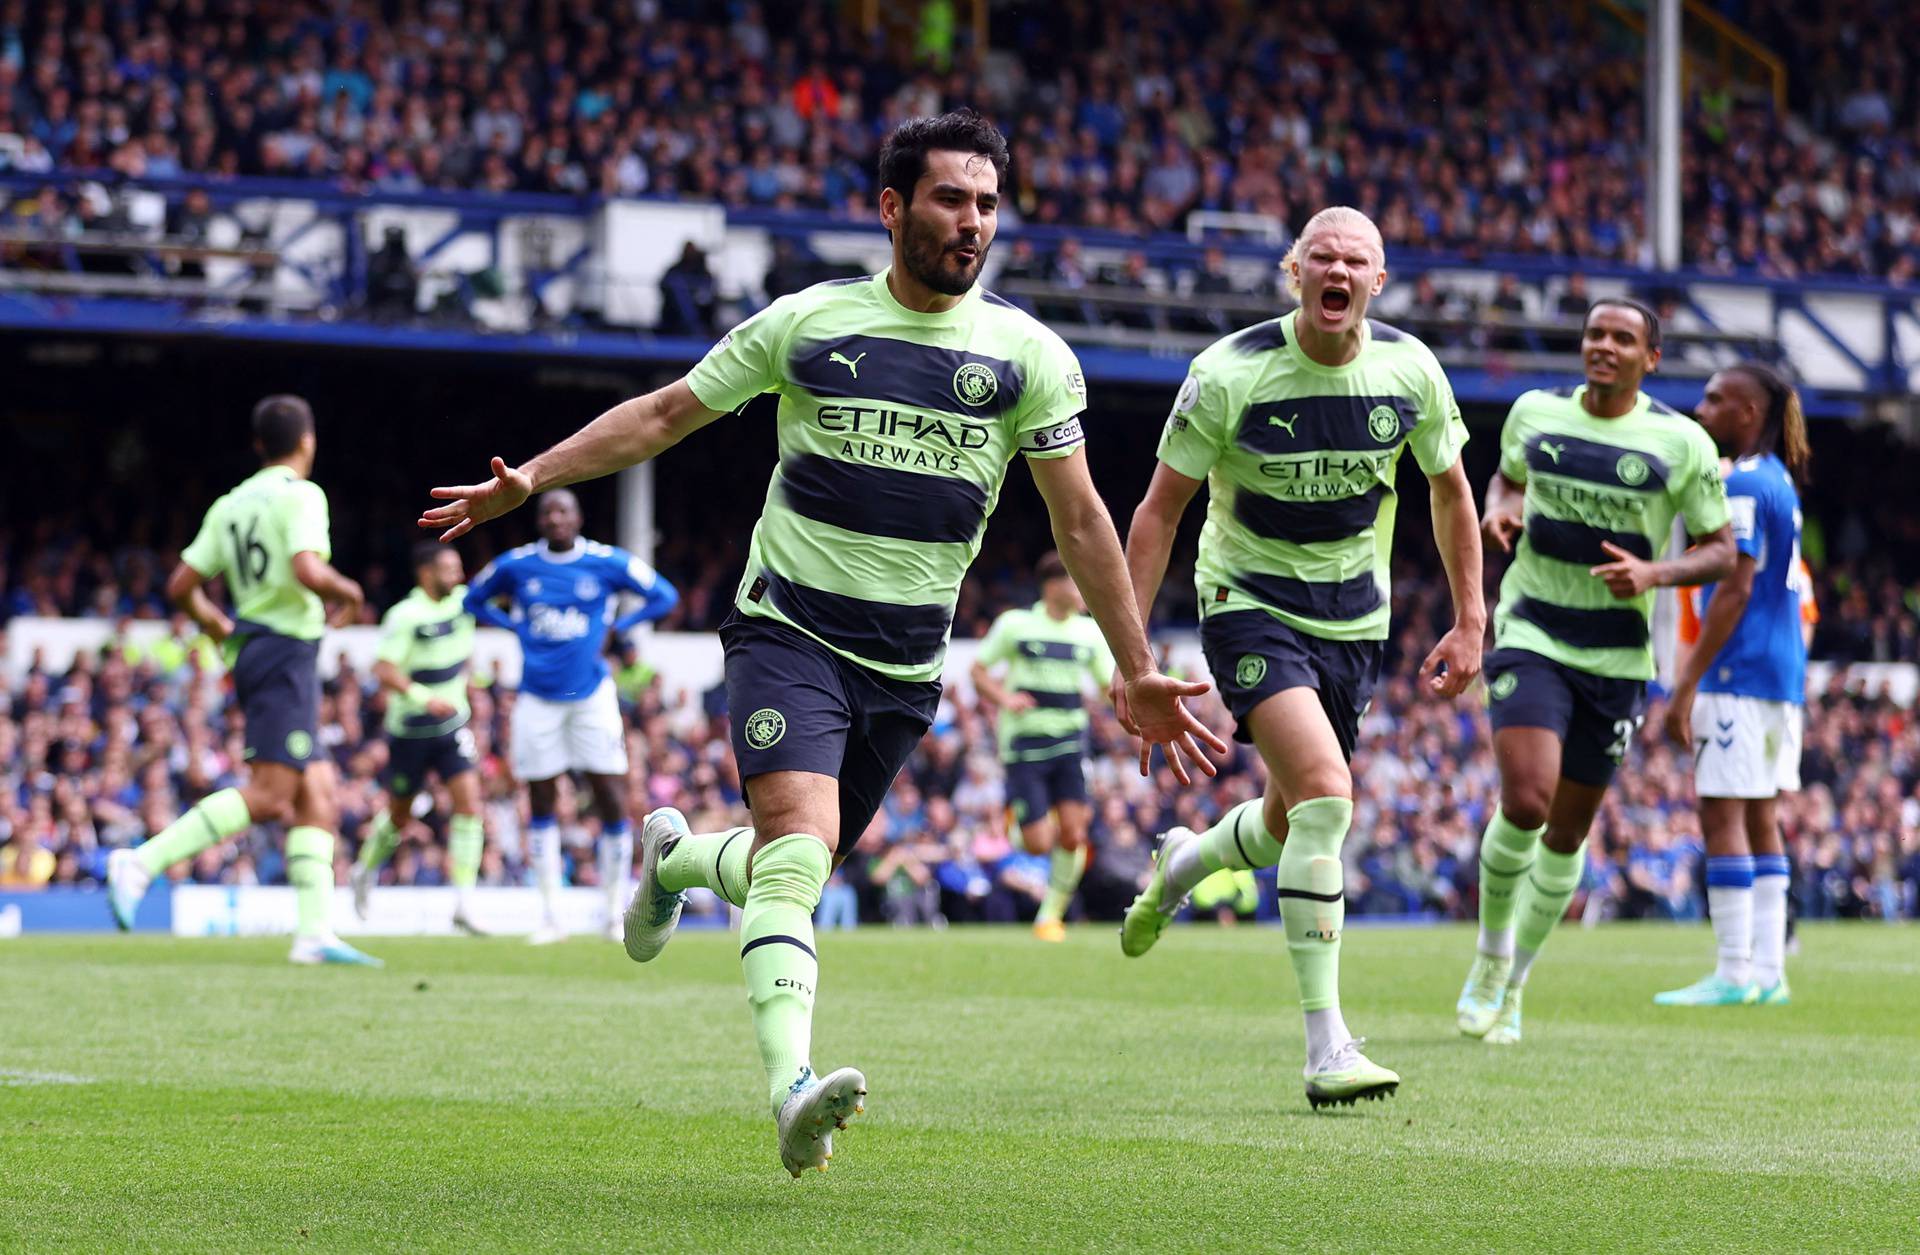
{"x":1611,"y":510}
{"x":1327,"y":476}
{"x":558,"y":623}
{"x":868,"y":420}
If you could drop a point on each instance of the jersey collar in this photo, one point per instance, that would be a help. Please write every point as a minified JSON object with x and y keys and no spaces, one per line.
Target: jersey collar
{"x":1290,"y":320}
{"x":894,"y":306}
{"x":560,"y":557}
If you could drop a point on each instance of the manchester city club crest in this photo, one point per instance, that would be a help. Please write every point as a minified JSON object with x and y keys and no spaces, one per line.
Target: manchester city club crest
{"x":1503,"y":686}
{"x":975,"y":383}
{"x":1383,"y":423}
{"x":1249,"y":671}
{"x":765,"y":727}
{"x":1632,"y":469}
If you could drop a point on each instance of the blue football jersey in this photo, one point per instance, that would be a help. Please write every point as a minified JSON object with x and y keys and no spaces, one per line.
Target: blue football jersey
{"x":560,"y":603}
{"x":1766,"y":657}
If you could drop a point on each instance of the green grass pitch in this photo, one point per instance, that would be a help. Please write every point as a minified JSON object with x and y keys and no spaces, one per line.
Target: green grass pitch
{"x":483,"y":1095}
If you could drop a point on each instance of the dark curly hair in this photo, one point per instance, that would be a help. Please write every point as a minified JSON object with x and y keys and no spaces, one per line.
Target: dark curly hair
{"x":903,"y":157}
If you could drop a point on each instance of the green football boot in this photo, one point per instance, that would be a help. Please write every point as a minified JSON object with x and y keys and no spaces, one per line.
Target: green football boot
{"x":1481,"y":996}
{"x":1506,"y":1025}
{"x":1345,"y":1076}
{"x":1147,"y":918}
{"x":1773,"y":995}
{"x":1709,"y":991}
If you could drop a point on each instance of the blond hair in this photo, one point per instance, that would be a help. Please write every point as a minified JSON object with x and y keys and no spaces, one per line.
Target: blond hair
{"x":1333,"y":217}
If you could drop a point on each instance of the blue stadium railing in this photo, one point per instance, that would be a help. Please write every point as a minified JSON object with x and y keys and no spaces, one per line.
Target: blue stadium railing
{"x":1866,"y":351}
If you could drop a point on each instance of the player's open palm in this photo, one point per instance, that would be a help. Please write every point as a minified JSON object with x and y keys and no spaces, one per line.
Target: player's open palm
{"x":474,"y":504}
{"x":1154,"y":702}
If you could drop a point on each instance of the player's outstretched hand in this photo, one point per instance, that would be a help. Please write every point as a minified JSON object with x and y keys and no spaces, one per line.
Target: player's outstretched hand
{"x":1501,"y":528}
{"x":1454,"y":662}
{"x":1153,"y":702}
{"x":474,"y":504}
{"x":1679,"y":721}
{"x":1626,"y":576}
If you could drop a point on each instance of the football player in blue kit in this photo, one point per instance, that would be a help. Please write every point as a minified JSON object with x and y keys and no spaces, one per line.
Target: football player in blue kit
{"x":566,"y":717}
{"x":1739,"y":697}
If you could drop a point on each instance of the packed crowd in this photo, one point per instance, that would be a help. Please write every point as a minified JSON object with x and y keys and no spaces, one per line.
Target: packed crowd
{"x":114,"y":748}
{"x":1481,"y":130}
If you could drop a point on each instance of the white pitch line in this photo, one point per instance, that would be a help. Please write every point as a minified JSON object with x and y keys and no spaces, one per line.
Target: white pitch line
{"x":17,"y":1077}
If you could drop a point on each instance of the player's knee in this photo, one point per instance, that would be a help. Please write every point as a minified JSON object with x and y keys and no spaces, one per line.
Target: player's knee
{"x":268,"y":802}
{"x":1525,"y":803}
{"x":1331,"y":779}
{"x":270,"y":808}
{"x":765,"y":835}
{"x":1037,"y":838}
{"x":319,"y":812}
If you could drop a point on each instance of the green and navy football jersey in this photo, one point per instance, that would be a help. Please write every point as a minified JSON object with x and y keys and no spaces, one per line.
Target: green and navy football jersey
{"x":431,"y":643}
{"x":1299,"y":461}
{"x":1590,"y":480}
{"x":895,"y":431}
{"x":250,"y":536}
{"x":1050,"y":660}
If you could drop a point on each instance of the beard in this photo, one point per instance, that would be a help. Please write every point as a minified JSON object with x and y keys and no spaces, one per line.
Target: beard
{"x":930,"y":261}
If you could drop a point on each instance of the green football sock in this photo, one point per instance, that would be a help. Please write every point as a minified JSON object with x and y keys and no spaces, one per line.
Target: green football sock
{"x":710,"y":860}
{"x":1542,"y":901}
{"x":466,"y":838}
{"x":1062,"y":879}
{"x":1239,"y":841}
{"x":1506,"y":852}
{"x":216,"y":817}
{"x":310,"y":872}
{"x":1313,"y":903}
{"x":382,"y":838}
{"x":777,"y":956}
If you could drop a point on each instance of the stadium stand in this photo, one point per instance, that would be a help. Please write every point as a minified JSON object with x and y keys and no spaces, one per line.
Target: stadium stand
{"x":1483,"y":137}
{"x":1514,"y":131}
{"x":111,"y":750}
